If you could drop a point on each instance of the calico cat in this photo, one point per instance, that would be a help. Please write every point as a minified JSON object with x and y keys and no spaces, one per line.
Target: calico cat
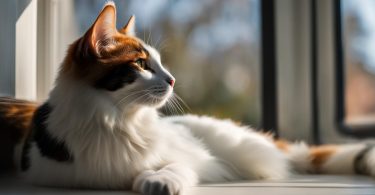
{"x":100,"y":128}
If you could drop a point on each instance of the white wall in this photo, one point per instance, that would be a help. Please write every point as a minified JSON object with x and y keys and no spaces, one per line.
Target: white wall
{"x":26,"y":44}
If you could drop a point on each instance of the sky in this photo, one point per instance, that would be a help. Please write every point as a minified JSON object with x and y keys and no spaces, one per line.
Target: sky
{"x":362,"y":43}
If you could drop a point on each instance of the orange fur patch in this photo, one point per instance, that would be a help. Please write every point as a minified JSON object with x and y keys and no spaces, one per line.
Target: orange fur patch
{"x":283,"y":145}
{"x":320,"y":154}
{"x":103,"y":49}
{"x":85,"y":65}
{"x":105,"y":57}
{"x":16,"y":116}
{"x":15,"y":120}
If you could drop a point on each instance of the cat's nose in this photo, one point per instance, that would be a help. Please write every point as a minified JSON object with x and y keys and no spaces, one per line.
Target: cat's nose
{"x":170,"y":81}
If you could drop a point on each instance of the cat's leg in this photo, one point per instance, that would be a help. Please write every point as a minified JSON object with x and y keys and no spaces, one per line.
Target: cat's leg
{"x":252,"y":154}
{"x":170,"y":180}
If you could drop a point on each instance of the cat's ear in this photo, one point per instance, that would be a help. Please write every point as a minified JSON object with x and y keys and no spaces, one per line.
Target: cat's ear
{"x":129,"y":28}
{"x":102,"y":32}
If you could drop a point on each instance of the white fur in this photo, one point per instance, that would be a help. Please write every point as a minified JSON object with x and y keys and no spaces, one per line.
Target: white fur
{"x":299,"y":159}
{"x":342,"y":161}
{"x":370,"y":160}
{"x":251,"y":155}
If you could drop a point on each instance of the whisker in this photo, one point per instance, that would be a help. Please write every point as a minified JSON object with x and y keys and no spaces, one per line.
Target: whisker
{"x":151,"y":42}
{"x":158,"y":41}
{"x":163,"y":45}
{"x":173,"y":109}
{"x":182,"y":101}
{"x":144,"y":32}
{"x":149,"y":35}
{"x":179,"y":106}
{"x":167,"y":108}
{"x":135,"y":93}
{"x":178,"y":109}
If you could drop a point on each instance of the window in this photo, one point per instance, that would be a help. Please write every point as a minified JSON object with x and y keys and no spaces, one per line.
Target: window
{"x":211,"y":47}
{"x":356,"y":68}
{"x":270,"y":62}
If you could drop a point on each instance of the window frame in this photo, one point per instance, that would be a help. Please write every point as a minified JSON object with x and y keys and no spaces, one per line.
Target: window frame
{"x":34,"y":77}
{"x":358,"y":131}
{"x":268,"y":70}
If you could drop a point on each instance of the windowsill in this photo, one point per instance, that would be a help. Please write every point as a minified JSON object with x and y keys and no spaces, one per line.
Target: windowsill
{"x":359,"y":121}
{"x":311,"y":184}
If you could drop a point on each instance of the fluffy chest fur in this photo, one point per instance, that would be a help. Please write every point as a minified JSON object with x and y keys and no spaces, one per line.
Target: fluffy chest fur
{"x":109,"y":147}
{"x":106,"y":144}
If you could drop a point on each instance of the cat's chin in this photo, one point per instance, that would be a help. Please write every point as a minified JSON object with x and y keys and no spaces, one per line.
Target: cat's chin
{"x":158,"y":102}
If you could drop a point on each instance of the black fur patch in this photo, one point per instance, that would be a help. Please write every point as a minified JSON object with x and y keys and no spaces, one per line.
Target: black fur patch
{"x":360,"y":165}
{"x":117,"y":78}
{"x":48,"y":146}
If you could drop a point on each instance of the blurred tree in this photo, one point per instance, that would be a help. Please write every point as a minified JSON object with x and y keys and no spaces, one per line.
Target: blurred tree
{"x":211,"y":47}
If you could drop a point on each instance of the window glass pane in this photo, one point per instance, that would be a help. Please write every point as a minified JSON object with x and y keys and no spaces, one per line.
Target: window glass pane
{"x":211,"y":47}
{"x":359,"y":39}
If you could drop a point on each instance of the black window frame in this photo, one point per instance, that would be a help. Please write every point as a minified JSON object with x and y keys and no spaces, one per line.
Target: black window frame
{"x":268,"y":67}
{"x":358,"y":131}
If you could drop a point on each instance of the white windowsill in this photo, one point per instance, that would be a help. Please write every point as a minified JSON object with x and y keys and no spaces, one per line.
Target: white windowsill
{"x":298,"y":185}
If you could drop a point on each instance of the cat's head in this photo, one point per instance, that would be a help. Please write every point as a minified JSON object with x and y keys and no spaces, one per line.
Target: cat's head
{"x":117,"y":63}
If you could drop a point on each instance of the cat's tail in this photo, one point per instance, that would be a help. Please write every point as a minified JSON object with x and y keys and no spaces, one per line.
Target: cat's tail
{"x":330,"y":159}
{"x":15,"y":120}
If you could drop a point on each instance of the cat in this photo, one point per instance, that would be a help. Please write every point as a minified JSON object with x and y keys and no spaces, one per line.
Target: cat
{"x":100,"y":128}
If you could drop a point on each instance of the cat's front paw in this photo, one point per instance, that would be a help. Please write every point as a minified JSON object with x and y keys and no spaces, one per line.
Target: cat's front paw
{"x":157,"y":183}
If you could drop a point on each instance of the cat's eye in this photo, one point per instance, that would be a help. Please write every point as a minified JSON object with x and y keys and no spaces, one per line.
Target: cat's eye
{"x":141,"y":63}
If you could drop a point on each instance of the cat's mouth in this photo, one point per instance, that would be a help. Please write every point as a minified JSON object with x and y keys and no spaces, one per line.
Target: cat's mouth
{"x":155,"y":97}
{"x":159,"y":97}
